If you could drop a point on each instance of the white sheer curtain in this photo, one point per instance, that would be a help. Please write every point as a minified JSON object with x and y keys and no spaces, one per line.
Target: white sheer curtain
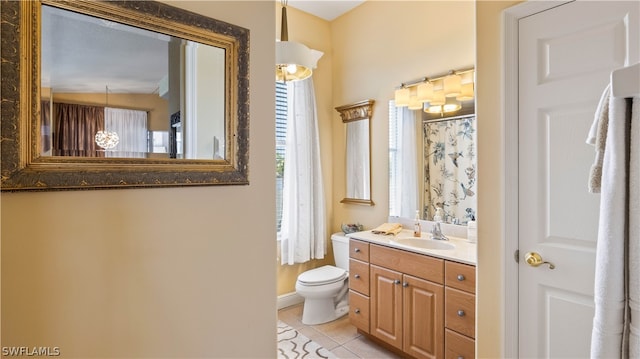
{"x":409,"y":160}
{"x":406,"y":195}
{"x":131,"y":127}
{"x":303,"y":232}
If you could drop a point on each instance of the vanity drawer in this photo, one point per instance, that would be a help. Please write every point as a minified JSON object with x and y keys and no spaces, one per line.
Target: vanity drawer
{"x":460,"y":311}
{"x":359,"y":310}
{"x":359,"y":276}
{"x":418,"y":265}
{"x":460,"y":276}
{"x":457,"y":346}
{"x":359,"y":250}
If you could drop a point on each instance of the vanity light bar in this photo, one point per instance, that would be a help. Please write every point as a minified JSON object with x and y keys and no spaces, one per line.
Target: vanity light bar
{"x":450,"y":86}
{"x":433,"y":79}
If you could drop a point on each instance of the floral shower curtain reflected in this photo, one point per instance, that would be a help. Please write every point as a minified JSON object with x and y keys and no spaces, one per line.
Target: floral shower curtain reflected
{"x":450,"y":168}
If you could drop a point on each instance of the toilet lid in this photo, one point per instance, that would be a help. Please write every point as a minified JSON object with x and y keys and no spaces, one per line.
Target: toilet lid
{"x":322,"y":275}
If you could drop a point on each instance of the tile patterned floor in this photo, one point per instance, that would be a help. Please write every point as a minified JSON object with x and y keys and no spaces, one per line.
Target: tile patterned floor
{"x":339,"y":336}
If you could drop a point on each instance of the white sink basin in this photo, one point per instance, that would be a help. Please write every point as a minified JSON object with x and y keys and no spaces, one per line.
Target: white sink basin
{"x":423,"y":243}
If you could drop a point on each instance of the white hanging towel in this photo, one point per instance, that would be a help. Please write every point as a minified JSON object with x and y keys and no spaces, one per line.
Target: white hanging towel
{"x":617,"y":272}
{"x":598,"y":138}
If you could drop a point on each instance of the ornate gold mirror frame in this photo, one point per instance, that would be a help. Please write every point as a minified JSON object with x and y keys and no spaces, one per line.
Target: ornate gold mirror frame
{"x":357,"y":117}
{"x":22,"y":168}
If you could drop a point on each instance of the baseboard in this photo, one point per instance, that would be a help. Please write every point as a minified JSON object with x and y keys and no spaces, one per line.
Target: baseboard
{"x":289,"y":299}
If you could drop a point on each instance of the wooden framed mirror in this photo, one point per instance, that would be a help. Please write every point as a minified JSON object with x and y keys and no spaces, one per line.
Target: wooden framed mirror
{"x":186,"y":74}
{"x":356,"y":117}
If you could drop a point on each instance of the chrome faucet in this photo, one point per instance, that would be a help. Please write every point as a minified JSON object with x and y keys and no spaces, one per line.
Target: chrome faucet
{"x":436,"y":233}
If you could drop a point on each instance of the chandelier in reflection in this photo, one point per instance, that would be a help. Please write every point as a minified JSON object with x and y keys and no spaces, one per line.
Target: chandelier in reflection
{"x":107,"y":139}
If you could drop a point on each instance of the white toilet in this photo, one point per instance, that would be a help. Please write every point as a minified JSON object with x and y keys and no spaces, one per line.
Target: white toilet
{"x":326,"y":289}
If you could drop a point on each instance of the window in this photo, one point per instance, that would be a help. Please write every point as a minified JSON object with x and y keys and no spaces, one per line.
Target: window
{"x":281,"y":135}
{"x":394,"y":180}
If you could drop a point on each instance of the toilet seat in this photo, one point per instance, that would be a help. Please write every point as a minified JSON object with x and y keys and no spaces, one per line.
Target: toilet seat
{"x":322,"y":275}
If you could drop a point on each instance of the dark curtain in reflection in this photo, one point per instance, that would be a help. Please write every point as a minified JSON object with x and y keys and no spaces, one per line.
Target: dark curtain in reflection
{"x":45,"y":127}
{"x":75,"y":130}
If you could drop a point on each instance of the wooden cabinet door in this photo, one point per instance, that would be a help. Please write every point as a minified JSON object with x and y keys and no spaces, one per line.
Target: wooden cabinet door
{"x":386,"y":305}
{"x":423,"y":318}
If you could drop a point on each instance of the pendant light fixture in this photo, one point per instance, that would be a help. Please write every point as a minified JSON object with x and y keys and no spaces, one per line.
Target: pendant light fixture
{"x":294,"y":61}
{"x":106,"y":139}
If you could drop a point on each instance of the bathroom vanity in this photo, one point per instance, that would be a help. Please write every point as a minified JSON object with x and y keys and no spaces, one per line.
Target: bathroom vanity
{"x":415,"y":296}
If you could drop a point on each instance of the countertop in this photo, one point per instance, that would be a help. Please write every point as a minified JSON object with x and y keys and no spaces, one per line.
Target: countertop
{"x":463,"y":251}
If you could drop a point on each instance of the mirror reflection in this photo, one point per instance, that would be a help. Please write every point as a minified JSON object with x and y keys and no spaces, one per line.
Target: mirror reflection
{"x":356,"y":118}
{"x":358,"y":183}
{"x":432,"y":164}
{"x":114,"y":90}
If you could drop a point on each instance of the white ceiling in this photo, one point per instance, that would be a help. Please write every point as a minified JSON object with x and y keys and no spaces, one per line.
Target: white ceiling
{"x":325,"y":9}
{"x":127,"y":59}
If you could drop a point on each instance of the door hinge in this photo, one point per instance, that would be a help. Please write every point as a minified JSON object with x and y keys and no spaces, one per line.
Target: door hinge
{"x":516,"y":256}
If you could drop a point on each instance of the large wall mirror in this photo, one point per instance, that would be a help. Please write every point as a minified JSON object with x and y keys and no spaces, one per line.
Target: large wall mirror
{"x":121,"y":94}
{"x":356,"y":118}
{"x":433,"y":164}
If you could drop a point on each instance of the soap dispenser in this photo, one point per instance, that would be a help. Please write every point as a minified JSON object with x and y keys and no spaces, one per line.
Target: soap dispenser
{"x":472,"y":230}
{"x":417,"y":229}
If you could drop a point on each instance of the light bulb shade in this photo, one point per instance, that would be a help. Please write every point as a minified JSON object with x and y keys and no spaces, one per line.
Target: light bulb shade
{"x":295,"y":61}
{"x":107,"y":139}
{"x":425,"y":92}
{"x":414,"y":103}
{"x":452,"y":84}
{"x":438,"y":98}
{"x":466,"y":92}
{"x":433,"y":109}
{"x":451,"y":105}
{"x":402,"y":96}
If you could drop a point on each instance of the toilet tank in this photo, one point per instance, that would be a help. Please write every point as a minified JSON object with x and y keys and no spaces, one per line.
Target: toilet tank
{"x":340,"y":244}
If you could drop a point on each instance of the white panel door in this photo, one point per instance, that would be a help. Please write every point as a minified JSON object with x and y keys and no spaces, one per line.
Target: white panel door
{"x":566,"y":55}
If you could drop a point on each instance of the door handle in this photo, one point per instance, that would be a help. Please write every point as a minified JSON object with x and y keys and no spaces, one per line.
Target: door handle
{"x":534,"y":259}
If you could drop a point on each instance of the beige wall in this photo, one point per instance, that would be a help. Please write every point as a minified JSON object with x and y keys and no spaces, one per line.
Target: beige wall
{"x":490,"y":313}
{"x":315,"y":33}
{"x":176,"y":272}
{"x":156,"y":106}
{"x":491,"y":241}
{"x":377,"y":46}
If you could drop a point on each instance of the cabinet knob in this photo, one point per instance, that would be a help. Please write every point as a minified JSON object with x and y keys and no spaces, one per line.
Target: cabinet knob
{"x":396,"y":281}
{"x":357,"y":250}
{"x":405,"y":284}
{"x":460,"y":357}
{"x":460,"y":277}
{"x":357,"y":311}
{"x":357,"y":276}
{"x":461,"y":313}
